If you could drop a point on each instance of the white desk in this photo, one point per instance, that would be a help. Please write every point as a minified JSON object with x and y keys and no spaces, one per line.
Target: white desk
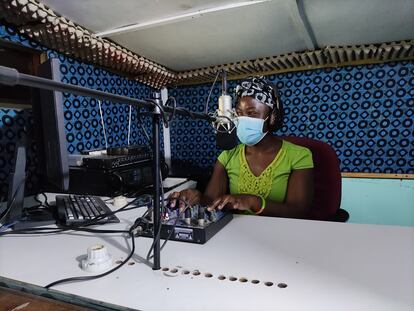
{"x":326,"y":266}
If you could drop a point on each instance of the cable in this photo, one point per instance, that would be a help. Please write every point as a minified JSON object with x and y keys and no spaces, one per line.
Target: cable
{"x":76,"y":227}
{"x":158,"y":235}
{"x":37,"y":200}
{"x":143,"y":129}
{"x":175,"y":223}
{"x":103,"y":124}
{"x":187,"y":112}
{"x":9,"y":206}
{"x":130,"y":231}
{"x":211,"y":89}
{"x":45,"y":196}
{"x":129,"y":123}
{"x":149,"y":256}
{"x":50,"y":230}
{"x":172,"y":115}
{"x":162,"y":112}
{"x":92,"y":277}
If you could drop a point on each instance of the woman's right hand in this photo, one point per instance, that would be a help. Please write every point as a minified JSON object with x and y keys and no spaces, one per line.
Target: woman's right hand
{"x":189,"y":196}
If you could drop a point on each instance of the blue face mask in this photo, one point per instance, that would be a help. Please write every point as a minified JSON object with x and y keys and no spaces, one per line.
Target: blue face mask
{"x":250,"y":130}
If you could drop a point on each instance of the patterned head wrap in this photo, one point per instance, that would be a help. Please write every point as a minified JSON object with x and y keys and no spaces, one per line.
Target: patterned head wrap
{"x":264,"y":92}
{"x":259,"y":89}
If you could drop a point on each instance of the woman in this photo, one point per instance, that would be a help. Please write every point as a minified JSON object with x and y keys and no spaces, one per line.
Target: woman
{"x":264,"y":174}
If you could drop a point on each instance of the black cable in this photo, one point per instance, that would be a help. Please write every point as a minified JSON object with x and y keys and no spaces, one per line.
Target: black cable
{"x":32,"y":231}
{"x":149,"y":256}
{"x":45,"y":196}
{"x":10,"y":205}
{"x":209,"y":94}
{"x":93,"y":277}
{"x":175,"y":223}
{"x":75,"y":227}
{"x":172,"y":115}
{"x":50,"y":230}
{"x":189,"y":113}
{"x":143,"y":129}
{"x":158,"y":235}
{"x":37,"y":200}
{"x":35,"y":207}
{"x":162,"y":111}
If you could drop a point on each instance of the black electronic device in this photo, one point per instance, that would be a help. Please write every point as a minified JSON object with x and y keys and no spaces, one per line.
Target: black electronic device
{"x":194,"y":225}
{"x":78,"y":209}
{"x":140,"y":150}
{"x":111,"y":182}
{"x":49,"y":112}
{"x":130,"y":180}
{"x":105,"y":161}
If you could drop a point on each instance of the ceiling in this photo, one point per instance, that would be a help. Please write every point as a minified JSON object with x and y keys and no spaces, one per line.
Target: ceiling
{"x":190,"y":34}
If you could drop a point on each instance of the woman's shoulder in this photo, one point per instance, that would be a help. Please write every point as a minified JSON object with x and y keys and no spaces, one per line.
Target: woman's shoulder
{"x":226,"y":155}
{"x":293,"y":148}
{"x":295,"y":151}
{"x":298,"y":154}
{"x":234,"y":150}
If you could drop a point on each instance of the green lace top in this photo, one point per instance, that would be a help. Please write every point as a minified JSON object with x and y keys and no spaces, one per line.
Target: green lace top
{"x":272,"y":183}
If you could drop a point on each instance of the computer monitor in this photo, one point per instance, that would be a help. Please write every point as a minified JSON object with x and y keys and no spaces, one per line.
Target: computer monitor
{"x":48,"y":113}
{"x":50,"y":116}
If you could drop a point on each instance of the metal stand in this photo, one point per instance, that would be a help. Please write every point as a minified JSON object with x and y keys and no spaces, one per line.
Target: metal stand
{"x":156,"y":177}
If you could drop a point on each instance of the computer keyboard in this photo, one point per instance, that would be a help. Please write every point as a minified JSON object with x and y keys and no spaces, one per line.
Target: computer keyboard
{"x":78,"y":209}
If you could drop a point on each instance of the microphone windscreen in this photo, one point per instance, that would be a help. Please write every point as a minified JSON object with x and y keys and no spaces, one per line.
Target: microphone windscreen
{"x":225,"y":140}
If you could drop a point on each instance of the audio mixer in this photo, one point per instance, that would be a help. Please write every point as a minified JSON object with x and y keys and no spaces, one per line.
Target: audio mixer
{"x":194,"y":224}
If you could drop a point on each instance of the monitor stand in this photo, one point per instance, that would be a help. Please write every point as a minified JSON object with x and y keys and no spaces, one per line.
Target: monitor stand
{"x":32,"y":218}
{"x":19,"y":217}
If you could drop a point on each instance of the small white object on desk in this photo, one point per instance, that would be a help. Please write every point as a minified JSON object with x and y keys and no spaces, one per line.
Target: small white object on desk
{"x":120,"y":201}
{"x":98,"y":259}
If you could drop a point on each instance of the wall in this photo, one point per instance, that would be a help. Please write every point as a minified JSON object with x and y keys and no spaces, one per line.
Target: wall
{"x":82,"y":120}
{"x":379,"y":201}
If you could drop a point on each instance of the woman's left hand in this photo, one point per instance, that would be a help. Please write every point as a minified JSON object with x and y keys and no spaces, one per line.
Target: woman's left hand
{"x":239,"y":202}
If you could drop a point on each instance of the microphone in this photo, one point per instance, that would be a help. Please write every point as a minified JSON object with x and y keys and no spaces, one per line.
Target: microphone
{"x":226,"y":135}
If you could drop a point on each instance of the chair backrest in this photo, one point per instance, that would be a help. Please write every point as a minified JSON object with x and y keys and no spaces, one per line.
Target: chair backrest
{"x":327,"y":183}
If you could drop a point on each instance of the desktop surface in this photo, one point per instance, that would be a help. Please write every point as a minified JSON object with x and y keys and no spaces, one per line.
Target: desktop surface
{"x":253,"y":263}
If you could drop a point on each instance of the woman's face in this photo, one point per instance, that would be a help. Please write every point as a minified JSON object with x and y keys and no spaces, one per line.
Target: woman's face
{"x":250,"y":107}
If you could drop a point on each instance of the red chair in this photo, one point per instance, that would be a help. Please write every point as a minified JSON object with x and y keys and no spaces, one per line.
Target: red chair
{"x":327,"y":183}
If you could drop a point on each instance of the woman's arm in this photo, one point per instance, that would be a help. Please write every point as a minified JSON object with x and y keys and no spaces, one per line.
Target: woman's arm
{"x":217,"y":186}
{"x":298,"y":199}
